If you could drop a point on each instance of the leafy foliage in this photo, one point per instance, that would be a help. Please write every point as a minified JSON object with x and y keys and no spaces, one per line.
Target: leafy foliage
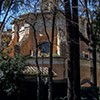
{"x":10,"y":72}
{"x":5,"y":40}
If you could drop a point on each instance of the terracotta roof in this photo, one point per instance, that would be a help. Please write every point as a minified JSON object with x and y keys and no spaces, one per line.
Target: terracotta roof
{"x":33,"y":71}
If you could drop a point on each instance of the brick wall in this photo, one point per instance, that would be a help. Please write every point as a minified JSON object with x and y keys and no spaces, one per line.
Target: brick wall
{"x":60,"y":67}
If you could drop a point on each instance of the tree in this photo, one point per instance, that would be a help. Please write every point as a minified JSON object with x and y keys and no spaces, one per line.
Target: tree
{"x":73,"y":40}
{"x":53,"y":11}
{"x":70,"y":67}
{"x":88,"y":13}
{"x":7,"y":6}
{"x":11,"y":71}
{"x":76,"y":52}
{"x":92,"y":36}
{"x":14,"y":4}
{"x":92,"y":39}
{"x":2,"y":23}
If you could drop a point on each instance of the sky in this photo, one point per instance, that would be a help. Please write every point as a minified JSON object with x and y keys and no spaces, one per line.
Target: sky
{"x":16,"y":12}
{"x":28,"y":7}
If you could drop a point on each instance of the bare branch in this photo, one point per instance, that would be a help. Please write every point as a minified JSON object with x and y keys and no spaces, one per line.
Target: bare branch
{"x":6,"y":14}
{"x":83,"y":38}
{"x":44,"y":23}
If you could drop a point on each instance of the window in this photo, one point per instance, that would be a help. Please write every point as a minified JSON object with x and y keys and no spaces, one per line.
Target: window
{"x":44,"y":47}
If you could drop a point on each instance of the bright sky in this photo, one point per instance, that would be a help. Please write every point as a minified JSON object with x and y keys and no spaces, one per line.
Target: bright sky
{"x":14,"y":14}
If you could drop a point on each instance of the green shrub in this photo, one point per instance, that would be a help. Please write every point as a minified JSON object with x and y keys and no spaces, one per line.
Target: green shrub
{"x":10,"y":72}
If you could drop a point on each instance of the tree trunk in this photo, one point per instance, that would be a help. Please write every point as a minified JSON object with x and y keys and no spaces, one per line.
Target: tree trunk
{"x":36,"y":60}
{"x":70,"y":50}
{"x":75,"y":53}
{"x":51,"y":57}
{"x":93,"y":67}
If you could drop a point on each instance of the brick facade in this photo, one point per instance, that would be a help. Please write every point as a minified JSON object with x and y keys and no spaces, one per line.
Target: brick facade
{"x":25,"y":37}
